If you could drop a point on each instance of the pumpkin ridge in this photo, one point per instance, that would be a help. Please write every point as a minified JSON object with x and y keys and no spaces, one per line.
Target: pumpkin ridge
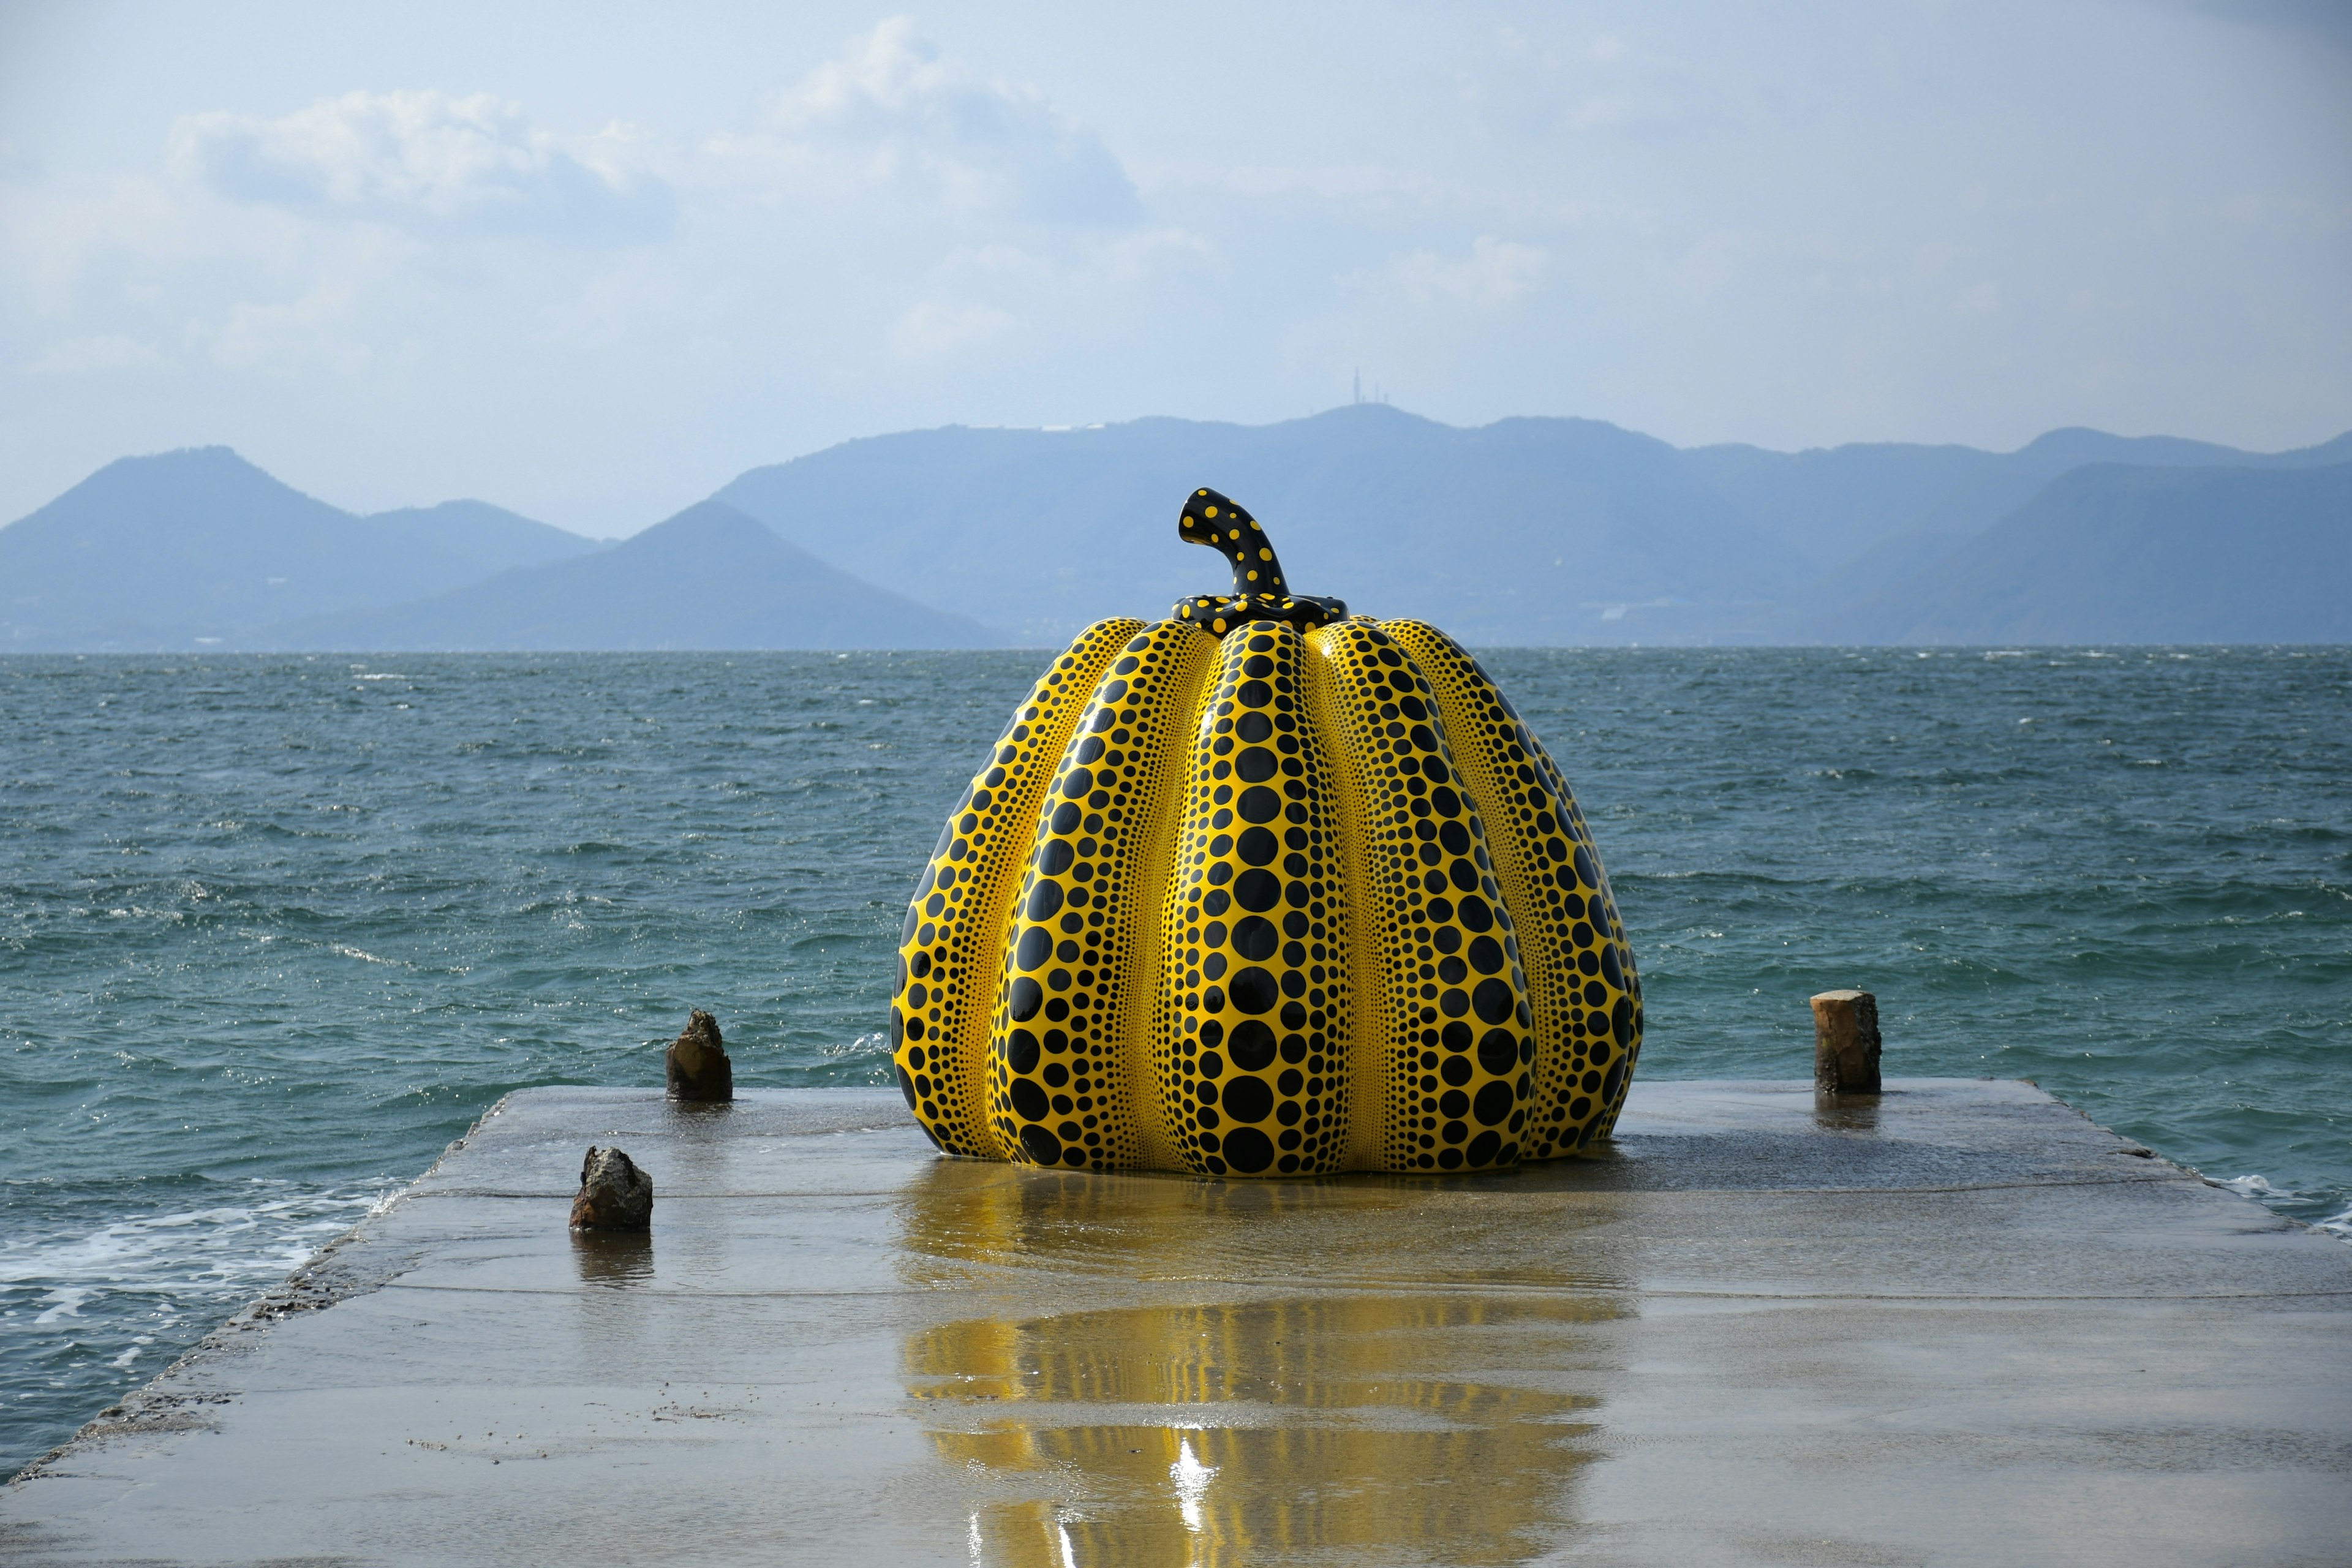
{"x":1360,"y":1055}
{"x":1256,"y":965}
{"x":1166,"y":1036}
{"x":1452,"y":1020}
{"x":1632,"y":1047}
{"x":951,"y":948}
{"x":1535,"y":839}
{"x":1081,"y":928}
{"x":1149,"y":1019}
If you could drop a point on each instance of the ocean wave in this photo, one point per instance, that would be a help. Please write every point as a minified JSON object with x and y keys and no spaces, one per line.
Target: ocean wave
{"x":871,"y":1052}
{"x":87,"y":1310}
{"x":2254,"y":1187}
{"x":874,"y":1045}
{"x":232,"y":1247}
{"x":2285,"y":1200}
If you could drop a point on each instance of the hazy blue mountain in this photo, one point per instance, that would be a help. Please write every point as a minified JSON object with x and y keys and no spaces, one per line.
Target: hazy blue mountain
{"x":201,"y":548}
{"x":709,"y":577}
{"x":1527,"y":530}
{"x":1831,"y":507}
{"x":2108,"y":553}
{"x":476,"y":538}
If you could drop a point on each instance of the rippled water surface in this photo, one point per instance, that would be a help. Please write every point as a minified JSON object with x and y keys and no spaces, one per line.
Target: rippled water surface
{"x":272,"y":932}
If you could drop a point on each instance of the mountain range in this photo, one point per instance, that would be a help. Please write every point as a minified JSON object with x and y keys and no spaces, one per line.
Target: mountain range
{"x":167,"y":551}
{"x":707,"y":578}
{"x":1523,"y":531}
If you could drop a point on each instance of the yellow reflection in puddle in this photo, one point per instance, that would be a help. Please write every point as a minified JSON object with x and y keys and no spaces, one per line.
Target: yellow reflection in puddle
{"x":1421,"y":1421}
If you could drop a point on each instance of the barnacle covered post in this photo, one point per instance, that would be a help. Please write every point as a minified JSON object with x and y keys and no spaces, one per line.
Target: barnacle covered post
{"x":1265,"y":889}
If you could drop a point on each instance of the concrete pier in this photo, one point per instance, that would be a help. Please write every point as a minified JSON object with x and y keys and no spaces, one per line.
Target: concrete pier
{"x":1956,"y":1324}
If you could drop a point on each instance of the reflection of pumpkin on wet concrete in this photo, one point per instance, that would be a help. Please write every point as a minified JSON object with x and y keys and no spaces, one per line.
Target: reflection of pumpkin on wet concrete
{"x":973,"y":1228}
{"x":1222,"y":1433}
{"x":1262,"y":890}
{"x":1168,"y":1372}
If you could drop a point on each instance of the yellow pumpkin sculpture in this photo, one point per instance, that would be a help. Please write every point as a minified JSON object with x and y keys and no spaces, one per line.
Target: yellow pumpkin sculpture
{"x":1264,"y":890}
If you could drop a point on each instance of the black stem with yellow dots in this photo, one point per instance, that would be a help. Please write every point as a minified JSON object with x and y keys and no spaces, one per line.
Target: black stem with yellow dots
{"x":1260,"y":591}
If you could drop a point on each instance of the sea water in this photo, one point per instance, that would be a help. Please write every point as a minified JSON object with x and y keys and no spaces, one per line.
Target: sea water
{"x":274,"y":931}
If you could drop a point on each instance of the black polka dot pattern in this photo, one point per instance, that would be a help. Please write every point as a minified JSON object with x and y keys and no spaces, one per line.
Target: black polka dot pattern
{"x":1450,"y":1031}
{"x":1075,"y":1001}
{"x":1260,"y":593}
{"x":1265,"y":890}
{"x":1253,"y":1072}
{"x":951,"y":949}
{"x":1586,"y":993}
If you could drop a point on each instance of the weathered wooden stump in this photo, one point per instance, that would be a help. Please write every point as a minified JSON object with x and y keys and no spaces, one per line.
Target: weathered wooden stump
{"x":1845,"y":1041}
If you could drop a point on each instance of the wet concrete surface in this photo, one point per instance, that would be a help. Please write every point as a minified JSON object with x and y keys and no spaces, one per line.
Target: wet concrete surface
{"x":1956,"y":1325}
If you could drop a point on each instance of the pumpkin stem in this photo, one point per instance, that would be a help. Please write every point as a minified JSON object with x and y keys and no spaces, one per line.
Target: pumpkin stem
{"x":1229,"y":530}
{"x":1260,"y":593}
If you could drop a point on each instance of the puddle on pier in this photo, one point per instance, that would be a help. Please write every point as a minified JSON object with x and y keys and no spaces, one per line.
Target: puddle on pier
{"x":1156,"y":1370}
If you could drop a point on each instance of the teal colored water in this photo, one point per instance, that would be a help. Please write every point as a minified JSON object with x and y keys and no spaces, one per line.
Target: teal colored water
{"x":272,"y":932}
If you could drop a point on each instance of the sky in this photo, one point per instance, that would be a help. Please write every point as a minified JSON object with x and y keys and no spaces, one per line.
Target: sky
{"x":591,"y":261}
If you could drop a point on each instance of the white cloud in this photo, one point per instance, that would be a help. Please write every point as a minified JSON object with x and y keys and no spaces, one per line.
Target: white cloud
{"x":427,"y":161}
{"x":1132,"y":256}
{"x":101,"y":354}
{"x":908,"y":118}
{"x":1714,"y":260}
{"x":49,"y":235}
{"x":1495,"y":275}
{"x":1980,"y":299}
{"x":313,"y":330}
{"x":932,"y":328}
{"x":1417,"y":317}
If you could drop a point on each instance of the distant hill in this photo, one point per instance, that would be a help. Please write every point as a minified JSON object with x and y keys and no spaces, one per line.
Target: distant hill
{"x":1524,"y":532}
{"x":1527,"y":531}
{"x":2108,"y":553}
{"x":707,"y":578}
{"x":476,"y":538}
{"x":200,"y":548}
{"x":1867,"y":505}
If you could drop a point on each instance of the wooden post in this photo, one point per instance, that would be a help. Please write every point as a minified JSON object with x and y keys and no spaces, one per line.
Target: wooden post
{"x":1845,"y":1041}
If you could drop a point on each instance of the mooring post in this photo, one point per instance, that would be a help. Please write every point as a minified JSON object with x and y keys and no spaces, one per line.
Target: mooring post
{"x":1845,"y":1041}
